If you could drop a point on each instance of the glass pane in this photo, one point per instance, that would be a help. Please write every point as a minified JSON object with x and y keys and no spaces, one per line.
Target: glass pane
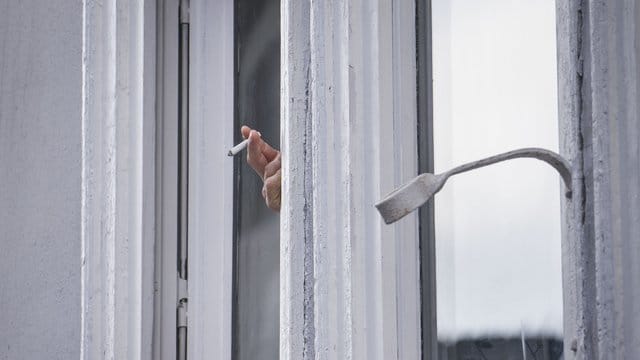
{"x":257,"y":246}
{"x":499,"y":283}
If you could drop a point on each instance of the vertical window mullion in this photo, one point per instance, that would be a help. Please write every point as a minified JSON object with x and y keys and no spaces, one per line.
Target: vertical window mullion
{"x":424,"y":81}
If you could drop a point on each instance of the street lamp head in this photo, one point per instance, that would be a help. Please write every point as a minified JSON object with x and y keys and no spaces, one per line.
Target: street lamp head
{"x":409,"y":197}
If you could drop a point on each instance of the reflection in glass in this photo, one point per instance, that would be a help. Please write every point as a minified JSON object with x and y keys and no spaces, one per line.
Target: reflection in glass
{"x":497,"y":244}
{"x":257,"y":248}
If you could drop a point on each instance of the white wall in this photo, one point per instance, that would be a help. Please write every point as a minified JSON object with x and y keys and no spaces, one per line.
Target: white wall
{"x":40,"y":177}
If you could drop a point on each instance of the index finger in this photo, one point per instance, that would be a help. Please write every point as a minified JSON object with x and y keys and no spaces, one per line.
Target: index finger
{"x":255,"y":156}
{"x":269,"y":152}
{"x":245,"y":131}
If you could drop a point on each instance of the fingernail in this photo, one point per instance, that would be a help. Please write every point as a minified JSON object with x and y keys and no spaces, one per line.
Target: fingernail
{"x":259,"y":134}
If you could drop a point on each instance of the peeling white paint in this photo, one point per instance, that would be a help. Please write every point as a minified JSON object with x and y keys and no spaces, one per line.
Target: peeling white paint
{"x":348,"y":138}
{"x":599,"y":59}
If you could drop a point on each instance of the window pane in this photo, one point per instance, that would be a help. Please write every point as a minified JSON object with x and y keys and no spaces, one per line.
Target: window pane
{"x":498,"y":228}
{"x":257,"y":104}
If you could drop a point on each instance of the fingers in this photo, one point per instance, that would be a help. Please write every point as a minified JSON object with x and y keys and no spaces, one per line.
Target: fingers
{"x":268,"y":152}
{"x":255,"y":157}
{"x":271,"y":168}
{"x":271,"y":191}
{"x":266,"y":162}
{"x":245,"y":130}
{"x":259,"y":153}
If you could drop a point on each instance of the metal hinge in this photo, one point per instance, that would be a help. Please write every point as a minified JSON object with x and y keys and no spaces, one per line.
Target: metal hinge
{"x":184,"y":11}
{"x":183,"y":291}
{"x":183,"y":299}
{"x":182,"y":319}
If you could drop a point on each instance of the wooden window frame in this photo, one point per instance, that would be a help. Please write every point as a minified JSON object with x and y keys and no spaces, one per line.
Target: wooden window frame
{"x":118,"y":179}
{"x":349,"y":283}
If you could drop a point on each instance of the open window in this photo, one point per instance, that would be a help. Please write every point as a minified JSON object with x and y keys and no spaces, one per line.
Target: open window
{"x":217,"y":249}
{"x":256,"y":271}
{"x":226,"y":274}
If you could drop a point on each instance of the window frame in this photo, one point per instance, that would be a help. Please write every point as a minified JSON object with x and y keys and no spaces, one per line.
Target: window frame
{"x":576,"y":321}
{"x":118,"y":167}
{"x":210,"y":207}
{"x":332,"y":171}
{"x":424,"y":89}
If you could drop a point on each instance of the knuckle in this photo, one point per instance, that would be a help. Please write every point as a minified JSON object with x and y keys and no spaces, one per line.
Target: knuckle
{"x":269,"y":186}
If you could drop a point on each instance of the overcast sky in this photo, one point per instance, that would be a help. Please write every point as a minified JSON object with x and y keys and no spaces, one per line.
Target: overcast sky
{"x":498,"y":228}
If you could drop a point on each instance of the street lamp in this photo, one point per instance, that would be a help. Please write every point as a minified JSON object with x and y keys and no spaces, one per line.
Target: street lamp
{"x":423,"y":187}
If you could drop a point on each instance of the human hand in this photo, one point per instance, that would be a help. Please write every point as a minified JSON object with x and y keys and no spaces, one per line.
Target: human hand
{"x":265,"y":161}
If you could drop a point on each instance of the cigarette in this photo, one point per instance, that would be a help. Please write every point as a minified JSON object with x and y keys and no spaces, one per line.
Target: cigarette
{"x":236,"y":149}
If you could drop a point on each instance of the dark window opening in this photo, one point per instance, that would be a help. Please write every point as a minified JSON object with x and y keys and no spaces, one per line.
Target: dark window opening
{"x":256,"y":277}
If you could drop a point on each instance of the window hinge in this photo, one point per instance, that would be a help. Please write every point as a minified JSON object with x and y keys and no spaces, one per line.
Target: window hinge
{"x":182,"y":290}
{"x":182,"y":314}
{"x":184,"y":11}
{"x":182,"y":319}
{"x":183,"y":299}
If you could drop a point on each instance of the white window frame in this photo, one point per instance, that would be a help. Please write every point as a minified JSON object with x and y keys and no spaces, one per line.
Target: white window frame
{"x":211,"y":179}
{"x":118,"y":170}
{"x":370,"y":308}
{"x":331,"y":53}
{"x":166,"y":276}
{"x":120,"y":104}
{"x":349,"y":284}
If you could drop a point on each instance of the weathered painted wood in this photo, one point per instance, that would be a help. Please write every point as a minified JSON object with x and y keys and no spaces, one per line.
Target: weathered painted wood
{"x":613,"y":95}
{"x":405,"y":166}
{"x":118,"y":174}
{"x":576,"y":254}
{"x":350,"y":284}
{"x":296,"y":266}
{"x":598,"y":81}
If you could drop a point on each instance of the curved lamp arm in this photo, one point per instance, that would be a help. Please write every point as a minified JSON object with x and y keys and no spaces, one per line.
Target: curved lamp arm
{"x":416,"y":192}
{"x":551,"y":158}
